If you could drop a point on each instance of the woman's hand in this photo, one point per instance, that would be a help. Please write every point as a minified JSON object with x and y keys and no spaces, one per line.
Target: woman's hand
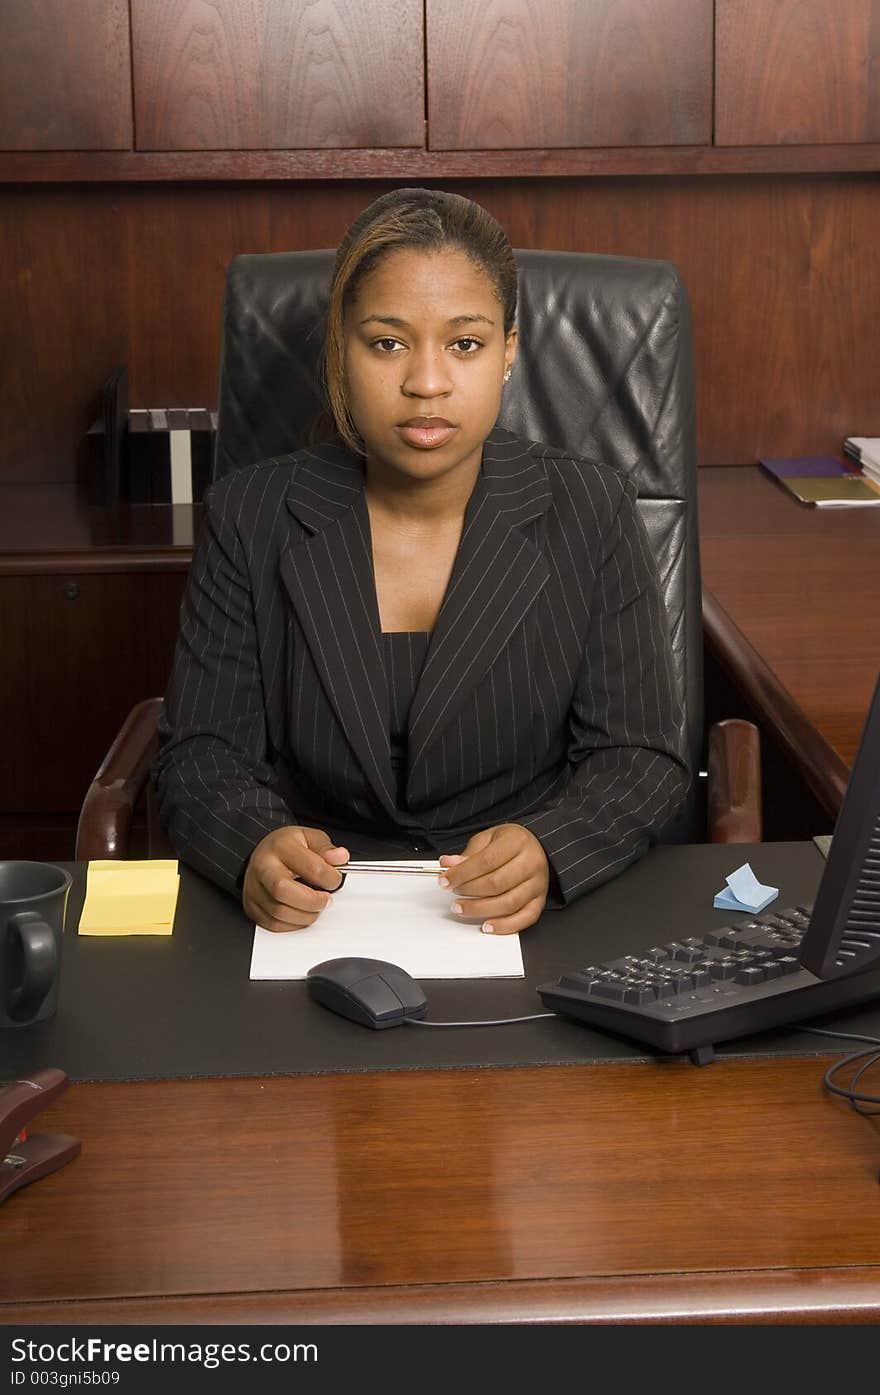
{"x":289,"y":877}
{"x":507,"y":871}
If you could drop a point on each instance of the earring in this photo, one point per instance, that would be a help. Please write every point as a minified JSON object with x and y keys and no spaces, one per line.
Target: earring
{"x":506,"y":375}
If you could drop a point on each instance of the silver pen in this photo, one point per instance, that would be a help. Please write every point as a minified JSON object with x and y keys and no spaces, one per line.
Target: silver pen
{"x":411,"y":869}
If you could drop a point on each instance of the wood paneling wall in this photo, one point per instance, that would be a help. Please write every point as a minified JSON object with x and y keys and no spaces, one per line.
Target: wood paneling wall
{"x":512,"y":73}
{"x":275,"y":74}
{"x":783,"y":272}
{"x":797,"y":71}
{"x":65,"y":75}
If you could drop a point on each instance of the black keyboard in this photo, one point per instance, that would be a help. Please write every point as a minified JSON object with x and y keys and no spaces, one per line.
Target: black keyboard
{"x":691,"y":993}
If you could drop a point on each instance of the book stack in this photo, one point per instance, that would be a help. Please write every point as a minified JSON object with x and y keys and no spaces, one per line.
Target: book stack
{"x":149,"y":455}
{"x":822,"y":481}
{"x":865,"y":451}
{"x":170,"y":454}
{"x":106,"y":482}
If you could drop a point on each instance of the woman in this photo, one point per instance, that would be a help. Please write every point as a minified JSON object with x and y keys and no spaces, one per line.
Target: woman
{"x":423,"y":630}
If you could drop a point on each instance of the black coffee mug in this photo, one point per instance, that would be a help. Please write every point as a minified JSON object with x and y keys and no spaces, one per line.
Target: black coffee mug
{"x":33,"y":901}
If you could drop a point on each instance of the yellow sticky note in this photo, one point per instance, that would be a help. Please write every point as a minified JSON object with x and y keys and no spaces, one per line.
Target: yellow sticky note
{"x":130,"y":898}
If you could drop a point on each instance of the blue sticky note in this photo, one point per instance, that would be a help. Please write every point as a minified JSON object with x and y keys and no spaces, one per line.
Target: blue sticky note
{"x":744,"y":892}
{"x":726,"y":901}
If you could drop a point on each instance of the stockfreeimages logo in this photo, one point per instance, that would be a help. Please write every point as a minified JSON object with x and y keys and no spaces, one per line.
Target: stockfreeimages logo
{"x":95,"y":1351}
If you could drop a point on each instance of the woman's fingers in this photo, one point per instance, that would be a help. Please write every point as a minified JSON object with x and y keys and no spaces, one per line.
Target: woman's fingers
{"x":508,"y":903}
{"x":521,"y":920}
{"x":487,"y":870}
{"x":281,"y":924}
{"x":289,"y":878}
{"x":300,"y":852}
{"x":501,"y":879}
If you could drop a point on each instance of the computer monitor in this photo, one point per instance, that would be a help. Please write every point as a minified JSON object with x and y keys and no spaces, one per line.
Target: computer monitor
{"x":844,"y":932}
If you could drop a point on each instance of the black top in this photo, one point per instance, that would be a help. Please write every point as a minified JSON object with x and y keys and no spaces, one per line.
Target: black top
{"x":403,"y":653}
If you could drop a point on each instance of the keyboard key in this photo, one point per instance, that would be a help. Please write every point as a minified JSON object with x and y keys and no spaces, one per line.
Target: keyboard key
{"x":724,"y":939}
{"x":788,"y":963}
{"x":683,"y":981}
{"x":724,"y":968}
{"x":614,"y":992}
{"x":682,"y":952}
{"x":580,"y":981}
{"x":750,"y":975}
{"x":785,"y":925}
{"x":665,"y":988}
{"x":640,"y":993}
{"x":769,"y":942}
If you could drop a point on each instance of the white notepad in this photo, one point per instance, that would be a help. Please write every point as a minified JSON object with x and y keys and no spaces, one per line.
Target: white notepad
{"x":405,"y":920}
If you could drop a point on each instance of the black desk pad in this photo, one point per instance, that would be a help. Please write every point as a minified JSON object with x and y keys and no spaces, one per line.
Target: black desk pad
{"x":151,"y":1007}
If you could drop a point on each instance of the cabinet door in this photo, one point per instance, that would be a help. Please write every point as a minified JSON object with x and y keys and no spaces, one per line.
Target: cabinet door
{"x":515,"y":74}
{"x":790,"y":72}
{"x":277,"y":74}
{"x":65,"y":75}
{"x":79,"y":652}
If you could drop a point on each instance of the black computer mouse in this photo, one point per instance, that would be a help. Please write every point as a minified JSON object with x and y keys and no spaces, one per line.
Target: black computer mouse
{"x":369,"y":991}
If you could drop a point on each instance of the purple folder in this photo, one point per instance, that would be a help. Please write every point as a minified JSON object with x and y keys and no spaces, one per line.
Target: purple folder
{"x":797,"y":466}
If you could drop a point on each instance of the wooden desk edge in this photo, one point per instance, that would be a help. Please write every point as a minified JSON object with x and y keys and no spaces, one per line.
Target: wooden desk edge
{"x":809,"y":1296}
{"x":823,"y":769}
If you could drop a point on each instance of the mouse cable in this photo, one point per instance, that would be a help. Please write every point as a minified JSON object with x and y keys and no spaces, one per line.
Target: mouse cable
{"x":868,"y":1058}
{"x":494,"y":1022}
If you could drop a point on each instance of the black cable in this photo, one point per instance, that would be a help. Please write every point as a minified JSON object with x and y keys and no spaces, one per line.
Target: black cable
{"x":844,"y":1036}
{"x":868,"y":1058}
{"x":495,"y":1022}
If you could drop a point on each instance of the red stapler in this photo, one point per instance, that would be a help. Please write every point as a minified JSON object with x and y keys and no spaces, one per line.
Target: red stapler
{"x":22,"y":1162}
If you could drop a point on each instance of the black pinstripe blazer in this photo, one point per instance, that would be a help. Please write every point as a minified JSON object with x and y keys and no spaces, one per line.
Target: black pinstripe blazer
{"x":547,"y":698}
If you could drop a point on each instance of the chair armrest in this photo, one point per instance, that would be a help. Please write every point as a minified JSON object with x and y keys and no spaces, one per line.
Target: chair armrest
{"x":105,"y":818}
{"x":734,"y":793}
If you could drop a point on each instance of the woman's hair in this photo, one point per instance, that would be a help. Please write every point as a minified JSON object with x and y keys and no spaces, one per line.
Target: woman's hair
{"x":412,"y":219}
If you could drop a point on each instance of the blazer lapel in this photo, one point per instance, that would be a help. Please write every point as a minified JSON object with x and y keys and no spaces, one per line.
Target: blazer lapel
{"x":329,"y":577}
{"x":497,"y":577}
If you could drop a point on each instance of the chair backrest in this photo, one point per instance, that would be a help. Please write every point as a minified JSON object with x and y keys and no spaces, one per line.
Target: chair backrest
{"x":604,"y":370}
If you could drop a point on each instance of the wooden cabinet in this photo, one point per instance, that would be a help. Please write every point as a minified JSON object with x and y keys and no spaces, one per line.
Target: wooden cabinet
{"x":416,"y":90}
{"x":512,"y":74}
{"x":277,"y":74}
{"x":89,"y":611}
{"x":87,"y":646}
{"x":797,"y":72}
{"x":65,"y":75}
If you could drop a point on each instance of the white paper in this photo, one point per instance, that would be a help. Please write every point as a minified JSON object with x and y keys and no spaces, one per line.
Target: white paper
{"x":403,"y":919}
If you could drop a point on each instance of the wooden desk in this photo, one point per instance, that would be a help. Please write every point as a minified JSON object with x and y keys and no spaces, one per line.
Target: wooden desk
{"x":790,"y":610}
{"x":740,"y":1192}
{"x":611,"y":1189}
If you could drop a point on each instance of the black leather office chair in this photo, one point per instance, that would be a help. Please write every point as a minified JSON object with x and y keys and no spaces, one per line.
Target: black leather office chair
{"x":604,"y":369}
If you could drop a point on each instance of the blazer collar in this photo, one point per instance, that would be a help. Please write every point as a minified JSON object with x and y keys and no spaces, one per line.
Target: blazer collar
{"x":497,"y":576}
{"x":325,"y":482}
{"x":328,"y":477}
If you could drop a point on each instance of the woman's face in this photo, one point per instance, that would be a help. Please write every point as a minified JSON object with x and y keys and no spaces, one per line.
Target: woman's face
{"x":425,"y":356}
